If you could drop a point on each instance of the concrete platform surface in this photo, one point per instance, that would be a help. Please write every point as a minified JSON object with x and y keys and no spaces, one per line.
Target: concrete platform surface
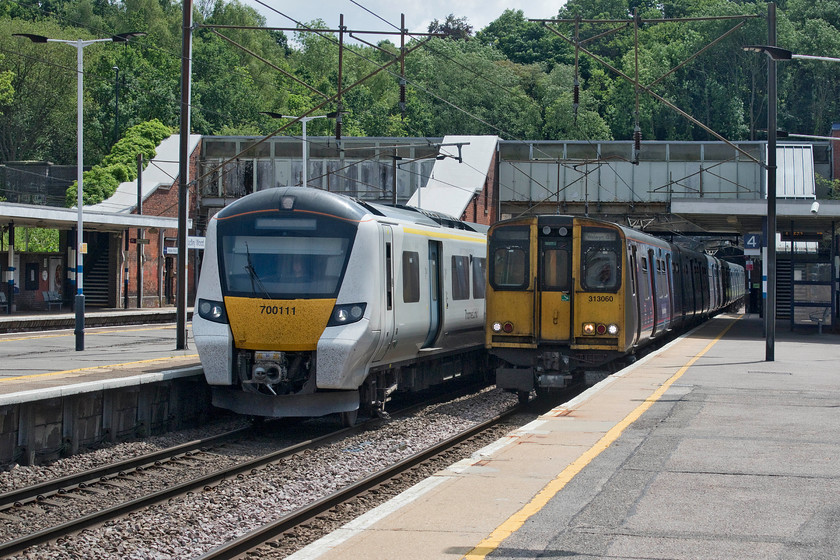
{"x":36,"y":365}
{"x":701,"y":450}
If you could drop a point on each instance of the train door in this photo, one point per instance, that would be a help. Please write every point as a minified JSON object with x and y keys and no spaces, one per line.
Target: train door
{"x":669,"y":282}
{"x":555,"y":285}
{"x":387,"y":321}
{"x":435,"y":300}
{"x":636,"y":294}
{"x":653,"y":268}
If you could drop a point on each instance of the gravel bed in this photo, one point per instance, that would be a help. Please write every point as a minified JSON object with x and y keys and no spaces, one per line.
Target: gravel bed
{"x":15,"y":476}
{"x":188,"y":526}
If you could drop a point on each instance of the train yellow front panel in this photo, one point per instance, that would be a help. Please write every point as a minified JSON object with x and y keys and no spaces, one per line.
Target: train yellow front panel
{"x":288,"y":325}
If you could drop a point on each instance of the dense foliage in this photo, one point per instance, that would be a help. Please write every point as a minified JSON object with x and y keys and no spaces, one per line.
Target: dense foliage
{"x":514,"y":78}
{"x":120,"y":165}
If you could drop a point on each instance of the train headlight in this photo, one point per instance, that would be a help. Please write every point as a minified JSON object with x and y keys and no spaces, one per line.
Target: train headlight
{"x":346,"y":314}
{"x":212,"y":310}
{"x":287,"y":202}
{"x":497,"y":327}
{"x":589,"y":329}
{"x":612,"y":329}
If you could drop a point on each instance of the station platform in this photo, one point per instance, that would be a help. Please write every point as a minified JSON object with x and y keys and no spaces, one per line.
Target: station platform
{"x":128,"y":380}
{"x":703,"y":449}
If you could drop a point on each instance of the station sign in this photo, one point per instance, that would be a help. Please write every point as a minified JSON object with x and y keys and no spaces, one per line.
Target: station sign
{"x":753,"y":243}
{"x":193,"y":242}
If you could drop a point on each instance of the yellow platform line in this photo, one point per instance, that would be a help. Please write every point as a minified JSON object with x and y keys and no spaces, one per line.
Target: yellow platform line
{"x":106,"y":366}
{"x":91,"y":331}
{"x":514,"y":522}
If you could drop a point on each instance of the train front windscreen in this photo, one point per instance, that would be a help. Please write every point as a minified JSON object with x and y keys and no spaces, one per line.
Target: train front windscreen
{"x":284,"y":257}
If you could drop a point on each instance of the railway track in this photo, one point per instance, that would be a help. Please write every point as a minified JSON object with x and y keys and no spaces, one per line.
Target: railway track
{"x":200,"y":483}
{"x":29,"y":494}
{"x":112,"y":475}
{"x":291,"y":522}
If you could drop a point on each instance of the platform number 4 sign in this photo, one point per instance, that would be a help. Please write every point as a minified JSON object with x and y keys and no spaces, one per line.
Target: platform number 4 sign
{"x":752,"y":244}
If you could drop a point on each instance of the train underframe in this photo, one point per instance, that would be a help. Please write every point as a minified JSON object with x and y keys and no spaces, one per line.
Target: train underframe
{"x":553,"y":368}
{"x":284,"y":384}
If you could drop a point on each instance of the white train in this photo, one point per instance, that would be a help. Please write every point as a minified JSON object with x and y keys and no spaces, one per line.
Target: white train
{"x":311,"y":303}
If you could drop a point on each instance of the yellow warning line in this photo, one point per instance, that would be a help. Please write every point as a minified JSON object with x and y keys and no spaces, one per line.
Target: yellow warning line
{"x":107,"y":366}
{"x":91,"y":331}
{"x":513,"y":523}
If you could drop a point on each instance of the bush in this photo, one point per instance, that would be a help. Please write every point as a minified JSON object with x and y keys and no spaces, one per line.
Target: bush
{"x":120,"y":165}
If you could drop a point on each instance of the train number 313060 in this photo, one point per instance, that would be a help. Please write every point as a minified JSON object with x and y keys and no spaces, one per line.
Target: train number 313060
{"x":600,"y":299}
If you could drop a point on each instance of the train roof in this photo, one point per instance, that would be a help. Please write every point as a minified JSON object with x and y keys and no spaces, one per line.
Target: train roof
{"x":340,"y":205}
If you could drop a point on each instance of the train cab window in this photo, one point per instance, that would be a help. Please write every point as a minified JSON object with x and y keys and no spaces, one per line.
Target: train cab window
{"x":600,"y":260}
{"x":555,"y":271}
{"x":460,"y":277}
{"x":479,"y":277}
{"x":510,"y":257}
{"x":411,"y":276}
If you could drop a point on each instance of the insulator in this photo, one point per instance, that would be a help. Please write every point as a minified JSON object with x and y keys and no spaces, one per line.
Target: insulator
{"x":637,"y":139}
{"x":576,"y":92}
{"x":402,"y":90}
{"x":338,"y":129}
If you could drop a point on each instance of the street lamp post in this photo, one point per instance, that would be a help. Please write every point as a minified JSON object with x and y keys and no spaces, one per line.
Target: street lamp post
{"x":775,"y":54}
{"x":116,"y":104}
{"x":303,"y":121}
{"x":770,"y":307}
{"x":80,"y":248}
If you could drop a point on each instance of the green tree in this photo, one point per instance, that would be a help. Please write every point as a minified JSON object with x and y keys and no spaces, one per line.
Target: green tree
{"x":452,"y":27}
{"x":525,"y":42}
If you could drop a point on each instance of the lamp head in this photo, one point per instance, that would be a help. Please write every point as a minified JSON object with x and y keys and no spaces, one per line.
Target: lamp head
{"x":32,"y":37}
{"x":126,"y":37}
{"x":776,"y":53}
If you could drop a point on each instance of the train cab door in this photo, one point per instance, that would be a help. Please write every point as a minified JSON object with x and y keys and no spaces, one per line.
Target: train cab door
{"x":387,"y":321}
{"x":435,"y":300}
{"x":554,"y":271}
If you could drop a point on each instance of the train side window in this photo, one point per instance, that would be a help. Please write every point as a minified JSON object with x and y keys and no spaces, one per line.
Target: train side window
{"x":479,"y":277}
{"x":644,"y":264}
{"x":460,"y":277}
{"x":411,"y":276}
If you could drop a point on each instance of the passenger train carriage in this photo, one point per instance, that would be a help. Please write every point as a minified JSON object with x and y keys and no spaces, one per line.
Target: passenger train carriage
{"x":567,"y":294}
{"x":311,"y":303}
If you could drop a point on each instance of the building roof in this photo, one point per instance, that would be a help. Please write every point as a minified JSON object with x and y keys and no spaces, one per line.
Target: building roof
{"x":458,"y":177}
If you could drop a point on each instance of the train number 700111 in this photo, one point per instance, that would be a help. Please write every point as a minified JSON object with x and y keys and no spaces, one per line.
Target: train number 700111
{"x":276,"y":310}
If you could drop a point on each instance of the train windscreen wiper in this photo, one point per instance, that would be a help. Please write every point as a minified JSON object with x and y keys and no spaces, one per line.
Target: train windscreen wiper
{"x":255,"y":278}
